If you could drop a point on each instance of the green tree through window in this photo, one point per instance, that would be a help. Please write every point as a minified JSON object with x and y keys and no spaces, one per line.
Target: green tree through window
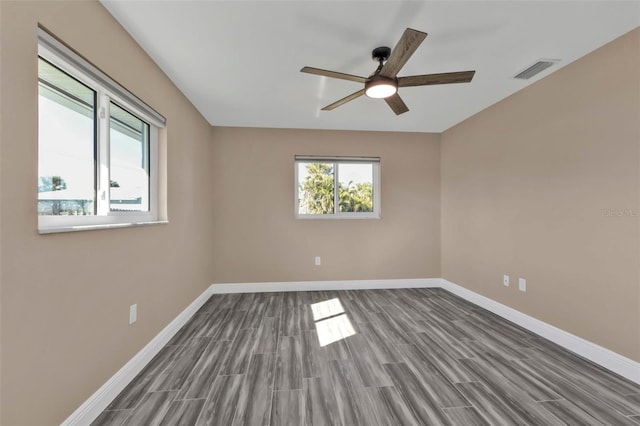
{"x":316,"y":188}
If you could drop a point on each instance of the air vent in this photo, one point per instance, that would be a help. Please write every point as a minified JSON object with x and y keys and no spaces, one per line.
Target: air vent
{"x":536,"y":68}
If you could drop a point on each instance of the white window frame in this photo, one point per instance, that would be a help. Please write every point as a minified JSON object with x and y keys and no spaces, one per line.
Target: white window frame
{"x":107,"y":91}
{"x":337,"y":214}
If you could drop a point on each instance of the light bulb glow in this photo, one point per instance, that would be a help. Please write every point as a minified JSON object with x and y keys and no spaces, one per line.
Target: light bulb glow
{"x":382,"y":88}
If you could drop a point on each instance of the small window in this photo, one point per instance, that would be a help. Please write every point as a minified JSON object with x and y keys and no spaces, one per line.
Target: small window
{"x":97,"y":146}
{"x":337,"y":188}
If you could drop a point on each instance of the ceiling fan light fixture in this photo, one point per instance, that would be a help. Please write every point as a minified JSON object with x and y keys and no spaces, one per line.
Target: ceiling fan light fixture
{"x":380,"y":88}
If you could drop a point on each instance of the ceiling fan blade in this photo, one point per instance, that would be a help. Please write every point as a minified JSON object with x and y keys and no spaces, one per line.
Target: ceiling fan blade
{"x":400,"y":54}
{"x":397,"y":104}
{"x":442,"y":78}
{"x":333,"y":74}
{"x":344,"y":100}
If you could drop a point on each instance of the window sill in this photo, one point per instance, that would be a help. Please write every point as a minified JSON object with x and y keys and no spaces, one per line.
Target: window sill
{"x":96,"y":227}
{"x":337,"y":217}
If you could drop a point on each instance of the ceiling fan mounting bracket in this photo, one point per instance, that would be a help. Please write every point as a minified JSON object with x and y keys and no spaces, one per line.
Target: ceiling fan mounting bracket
{"x":380,"y":54}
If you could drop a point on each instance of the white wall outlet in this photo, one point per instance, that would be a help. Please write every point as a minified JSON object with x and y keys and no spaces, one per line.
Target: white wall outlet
{"x":505,"y":280}
{"x":318,"y":261}
{"x":522,"y":284}
{"x":133,"y":313}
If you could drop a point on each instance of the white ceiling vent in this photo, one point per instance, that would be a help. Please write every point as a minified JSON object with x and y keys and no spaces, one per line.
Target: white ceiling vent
{"x":536,"y":68}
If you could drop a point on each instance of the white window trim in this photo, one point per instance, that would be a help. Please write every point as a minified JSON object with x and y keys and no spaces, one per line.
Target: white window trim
{"x":57,"y":54}
{"x":375,"y":162}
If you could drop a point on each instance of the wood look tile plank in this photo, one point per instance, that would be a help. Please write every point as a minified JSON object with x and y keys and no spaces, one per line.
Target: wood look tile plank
{"x":337,"y":350}
{"x":246,"y":301}
{"x":239,"y":352}
{"x":500,"y":325}
{"x":569,"y":414}
{"x":268,"y":335}
{"x":419,"y":399}
{"x":214,"y":323}
{"x":587,"y":398}
{"x":494,"y":342}
{"x":389,"y":407}
{"x":229,"y":300}
{"x":199,"y":381}
{"x":289,"y":363}
{"x":466,"y":416}
{"x":184,"y":412}
{"x":254,"y":402}
{"x":135,"y":391}
{"x":431,"y":357}
{"x":501,"y":409}
{"x":383,"y":350}
{"x":287,"y":408}
{"x":176,"y":373}
{"x":211,"y":305}
{"x":220,"y":405}
{"x":369,"y":367}
{"x":531,"y":384}
{"x":296,"y":298}
{"x":583,"y":368}
{"x":389,"y":327}
{"x":320,"y":405}
{"x":511,"y":394}
{"x":151,"y":410}
{"x":273,"y":305}
{"x":254,"y":316}
{"x":353,"y":404}
{"x":405,"y":316}
{"x":314,"y":362}
{"x":432,"y":380}
{"x":356,"y":312}
{"x":111,"y":418}
{"x":290,"y":324}
{"x":231,"y":326}
{"x":190,"y":330}
{"x":456,"y":348}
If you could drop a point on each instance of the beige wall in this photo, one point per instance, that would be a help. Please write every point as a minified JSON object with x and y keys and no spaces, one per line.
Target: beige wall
{"x":65,"y":297}
{"x":527,"y":186}
{"x":257,"y":237}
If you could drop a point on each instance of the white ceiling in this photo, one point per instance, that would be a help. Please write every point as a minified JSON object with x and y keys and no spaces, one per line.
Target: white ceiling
{"x":238,"y":61}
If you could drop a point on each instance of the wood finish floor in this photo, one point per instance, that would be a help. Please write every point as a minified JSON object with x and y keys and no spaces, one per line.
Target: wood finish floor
{"x":371,"y":357}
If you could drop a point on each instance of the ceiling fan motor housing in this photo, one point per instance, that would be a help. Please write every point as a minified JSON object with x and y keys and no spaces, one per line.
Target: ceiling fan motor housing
{"x":381,"y":54}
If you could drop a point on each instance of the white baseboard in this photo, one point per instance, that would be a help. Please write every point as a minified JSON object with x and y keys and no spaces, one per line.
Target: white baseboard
{"x":269,"y":287}
{"x":608,"y":359}
{"x":92,"y":407}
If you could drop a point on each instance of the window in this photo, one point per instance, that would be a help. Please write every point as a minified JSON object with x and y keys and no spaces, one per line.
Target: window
{"x":97,"y":146}
{"x":337,"y":187}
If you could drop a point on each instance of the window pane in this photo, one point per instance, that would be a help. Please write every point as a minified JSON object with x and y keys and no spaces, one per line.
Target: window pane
{"x":315,"y":188}
{"x":66,"y":140}
{"x":129,"y":162}
{"x":355,"y":185}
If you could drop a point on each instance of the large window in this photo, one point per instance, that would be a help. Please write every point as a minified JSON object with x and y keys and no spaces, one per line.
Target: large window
{"x":337,"y":187}
{"x":97,"y":146}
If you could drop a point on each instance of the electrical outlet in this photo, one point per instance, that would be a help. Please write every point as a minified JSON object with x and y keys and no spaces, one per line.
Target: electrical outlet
{"x":522,"y":284}
{"x":505,"y":280}
{"x":318,"y":261}
{"x":133,"y":313}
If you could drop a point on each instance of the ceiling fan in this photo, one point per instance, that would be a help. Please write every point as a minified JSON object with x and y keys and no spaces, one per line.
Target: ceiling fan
{"x":384,"y":83}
